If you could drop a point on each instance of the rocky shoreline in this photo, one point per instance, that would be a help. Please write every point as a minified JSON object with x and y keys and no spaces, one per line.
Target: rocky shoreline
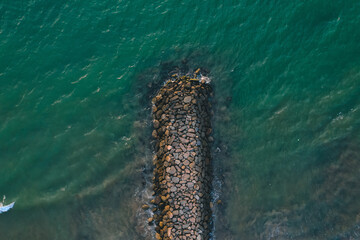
{"x":182,"y":161}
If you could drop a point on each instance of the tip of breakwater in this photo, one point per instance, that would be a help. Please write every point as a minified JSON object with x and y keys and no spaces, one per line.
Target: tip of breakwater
{"x":182,"y":161}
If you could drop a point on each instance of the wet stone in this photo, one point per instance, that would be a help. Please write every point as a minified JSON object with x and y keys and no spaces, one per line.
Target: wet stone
{"x":156,"y":124}
{"x":187,"y":99}
{"x":183,"y":148}
{"x":145,"y":207}
{"x":171,"y":170}
{"x":191,"y":130}
{"x":154,"y":134}
{"x":183,"y":140}
{"x":185,"y":177}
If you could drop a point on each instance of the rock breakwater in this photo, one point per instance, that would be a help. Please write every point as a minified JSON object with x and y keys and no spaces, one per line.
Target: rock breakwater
{"x":182,"y":161}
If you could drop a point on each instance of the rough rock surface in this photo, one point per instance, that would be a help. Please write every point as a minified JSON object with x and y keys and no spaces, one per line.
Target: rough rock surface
{"x":182,"y":162}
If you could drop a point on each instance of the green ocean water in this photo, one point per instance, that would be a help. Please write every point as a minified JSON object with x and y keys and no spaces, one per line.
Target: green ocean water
{"x":76,"y":79}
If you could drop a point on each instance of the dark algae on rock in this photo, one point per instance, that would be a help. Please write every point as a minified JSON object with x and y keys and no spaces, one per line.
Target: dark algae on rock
{"x":182,"y":161}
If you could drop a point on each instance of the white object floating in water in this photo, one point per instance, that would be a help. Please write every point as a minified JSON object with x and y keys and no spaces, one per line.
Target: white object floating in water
{"x":206,"y":79}
{"x":6,"y":207}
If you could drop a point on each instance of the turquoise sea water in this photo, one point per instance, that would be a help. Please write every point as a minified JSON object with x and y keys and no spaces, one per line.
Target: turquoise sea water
{"x":75,"y":137}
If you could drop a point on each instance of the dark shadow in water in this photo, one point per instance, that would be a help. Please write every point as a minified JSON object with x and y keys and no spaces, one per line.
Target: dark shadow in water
{"x":333,"y":210}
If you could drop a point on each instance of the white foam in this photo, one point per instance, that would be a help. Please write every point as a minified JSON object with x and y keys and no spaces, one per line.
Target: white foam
{"x":206,"y":79}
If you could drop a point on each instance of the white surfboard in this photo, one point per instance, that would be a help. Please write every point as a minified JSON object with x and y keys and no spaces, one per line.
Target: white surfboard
{"x":6,"y":207}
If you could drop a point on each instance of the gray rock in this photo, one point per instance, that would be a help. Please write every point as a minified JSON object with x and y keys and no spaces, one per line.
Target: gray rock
{"x":187,"y":99}
{"x":171,"y":170}
{"x":175,"y":180}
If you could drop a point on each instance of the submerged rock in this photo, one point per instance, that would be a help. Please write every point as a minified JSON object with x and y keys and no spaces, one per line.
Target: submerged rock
{"x":145,"y":207}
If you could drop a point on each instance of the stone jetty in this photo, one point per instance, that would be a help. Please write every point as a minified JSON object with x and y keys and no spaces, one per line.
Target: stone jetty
{"x":182,"y":162}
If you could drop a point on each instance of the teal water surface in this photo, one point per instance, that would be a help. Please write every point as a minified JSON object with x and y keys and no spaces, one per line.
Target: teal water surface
{"x":75,"y":137}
